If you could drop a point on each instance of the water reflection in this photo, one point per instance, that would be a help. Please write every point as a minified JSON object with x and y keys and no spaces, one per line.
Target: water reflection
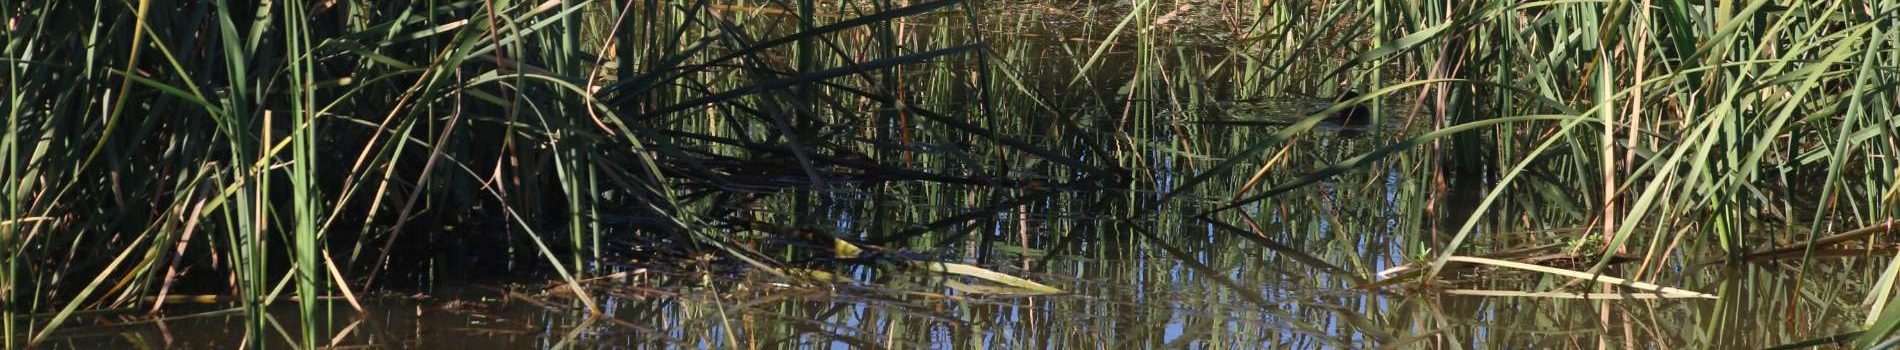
{"x":1291,"y":272}
{"x":1226,"y":293}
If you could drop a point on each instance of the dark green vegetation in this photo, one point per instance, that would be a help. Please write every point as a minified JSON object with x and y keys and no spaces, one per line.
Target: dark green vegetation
{"x":1643,"y":156}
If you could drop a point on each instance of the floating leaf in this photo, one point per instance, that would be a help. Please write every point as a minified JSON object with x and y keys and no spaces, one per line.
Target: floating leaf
{"x":992,"y":276}
{"x":1651,"y":287}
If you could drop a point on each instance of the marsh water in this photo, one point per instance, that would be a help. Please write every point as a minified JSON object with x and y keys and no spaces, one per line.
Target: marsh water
{"x":1136,"y":268}
{"x":1293,"y":274}
{"x":1235,"y":294}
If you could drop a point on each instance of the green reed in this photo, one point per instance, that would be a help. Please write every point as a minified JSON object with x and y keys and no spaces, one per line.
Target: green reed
{"x":313,"y":136}
{"x":315,"y":142}
{"x":1700,"y":130}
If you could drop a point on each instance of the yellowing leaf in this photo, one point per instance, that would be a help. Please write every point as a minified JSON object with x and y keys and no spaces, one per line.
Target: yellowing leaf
{"x":845,"y":250}
{"x":992,"y":276}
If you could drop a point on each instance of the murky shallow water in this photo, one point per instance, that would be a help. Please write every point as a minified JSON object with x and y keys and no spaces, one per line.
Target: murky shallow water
{"x":1292,"y":273}
{"x":1230,"y":294}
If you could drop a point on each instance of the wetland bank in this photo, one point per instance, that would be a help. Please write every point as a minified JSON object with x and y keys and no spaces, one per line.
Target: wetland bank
{"x":950,"y":174}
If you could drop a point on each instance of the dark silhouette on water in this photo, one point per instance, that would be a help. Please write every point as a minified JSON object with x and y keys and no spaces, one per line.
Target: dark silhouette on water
{"x":1348,"y":122}
{"x":1356,"y":117}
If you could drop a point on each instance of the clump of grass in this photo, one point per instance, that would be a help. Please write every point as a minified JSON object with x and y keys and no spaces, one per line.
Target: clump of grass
{"x":306,"y":142}
{"x":1693,"y":130}
{"x":311,"y":142}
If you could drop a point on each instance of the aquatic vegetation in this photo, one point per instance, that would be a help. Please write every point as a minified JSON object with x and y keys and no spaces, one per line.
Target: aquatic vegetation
{"x":1661,"y":162}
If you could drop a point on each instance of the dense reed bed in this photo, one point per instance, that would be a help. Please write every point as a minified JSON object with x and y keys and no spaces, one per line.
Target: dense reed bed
{"x":284,"y":152}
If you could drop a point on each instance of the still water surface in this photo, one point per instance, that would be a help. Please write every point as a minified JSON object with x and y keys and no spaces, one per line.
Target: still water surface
{"x":1170,"y":279}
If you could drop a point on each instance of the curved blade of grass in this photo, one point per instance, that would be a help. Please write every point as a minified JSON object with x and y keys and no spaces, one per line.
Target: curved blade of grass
{"x":1108,"y":42}
{"x":84,"y":293}
{"x":986,"y":274}
{"x":1368,"y":158}
{"x":809,"y":77}
{"x":1564,"y":295}
{"x":1666,"y":291}
{"x":646,"y":81}
{"x":1261,"y":146}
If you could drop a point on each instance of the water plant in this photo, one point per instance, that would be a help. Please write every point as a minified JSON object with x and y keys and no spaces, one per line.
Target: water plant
{"x":1613,"y":149}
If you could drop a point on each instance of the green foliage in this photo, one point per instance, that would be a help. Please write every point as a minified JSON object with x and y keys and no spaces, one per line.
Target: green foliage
{"x":313,"y":142}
